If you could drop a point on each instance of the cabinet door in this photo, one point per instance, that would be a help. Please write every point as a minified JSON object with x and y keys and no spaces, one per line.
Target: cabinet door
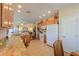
{"x":10,"y":19}
{"x":69,"y":33}
{"x":4,"y":15}
{"x":52,"y":34}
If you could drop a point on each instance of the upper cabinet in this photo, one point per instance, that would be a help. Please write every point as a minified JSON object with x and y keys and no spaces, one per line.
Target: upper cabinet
{"x":10,"y":18}
{"x":7,"y":15}
{"x":49,"y":21}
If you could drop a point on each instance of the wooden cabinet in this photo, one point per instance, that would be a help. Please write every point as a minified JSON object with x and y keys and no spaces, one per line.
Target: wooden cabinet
{"x":51,"y":30}
{"x":49,"y":21}
{"x":7,"y":15}
{"x":0,"y":15}
{"x":10,"y":16}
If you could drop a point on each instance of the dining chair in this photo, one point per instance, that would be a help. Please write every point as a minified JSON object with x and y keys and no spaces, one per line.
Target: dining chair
{"x":58,"y":48}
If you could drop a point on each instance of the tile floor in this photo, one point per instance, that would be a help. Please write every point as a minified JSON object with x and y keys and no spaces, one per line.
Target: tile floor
{"x":16,"y":47}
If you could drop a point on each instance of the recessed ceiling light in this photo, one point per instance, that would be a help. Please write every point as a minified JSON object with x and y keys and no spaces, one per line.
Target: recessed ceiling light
{"x":49,"y":12}
{"x":44,"y":15}
{"x":40,"y":16}
{"x":28,"y":11}
{"x":18,"y":11}
{"x":19,"y":6}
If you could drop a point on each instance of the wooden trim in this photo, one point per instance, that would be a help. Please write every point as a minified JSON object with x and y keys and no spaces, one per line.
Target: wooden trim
{"x":1,"y":14}
{"x":38,"y":36}
{"x":45,"y":40}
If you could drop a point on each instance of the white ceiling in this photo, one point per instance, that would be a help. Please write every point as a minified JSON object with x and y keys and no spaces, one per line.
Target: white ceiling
{"x":37,"y":9}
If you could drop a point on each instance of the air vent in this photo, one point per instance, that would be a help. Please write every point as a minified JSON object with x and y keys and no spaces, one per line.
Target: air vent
{"x":28,"y":11}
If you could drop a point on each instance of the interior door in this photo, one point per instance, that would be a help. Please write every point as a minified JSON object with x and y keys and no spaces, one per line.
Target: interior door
{"x":69,"y":33}
{"x":52,"y":34}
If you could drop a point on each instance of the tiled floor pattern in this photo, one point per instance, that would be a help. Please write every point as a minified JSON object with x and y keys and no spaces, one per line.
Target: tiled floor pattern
{"x":16,"y":47}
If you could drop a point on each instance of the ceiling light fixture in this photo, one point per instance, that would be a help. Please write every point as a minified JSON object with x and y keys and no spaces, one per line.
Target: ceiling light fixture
{"x":44,"y":15}
{"x":40,"y":16}
{"x":49,"y":12}
{"x":19,"y":6}
{"x":18,"y":11}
